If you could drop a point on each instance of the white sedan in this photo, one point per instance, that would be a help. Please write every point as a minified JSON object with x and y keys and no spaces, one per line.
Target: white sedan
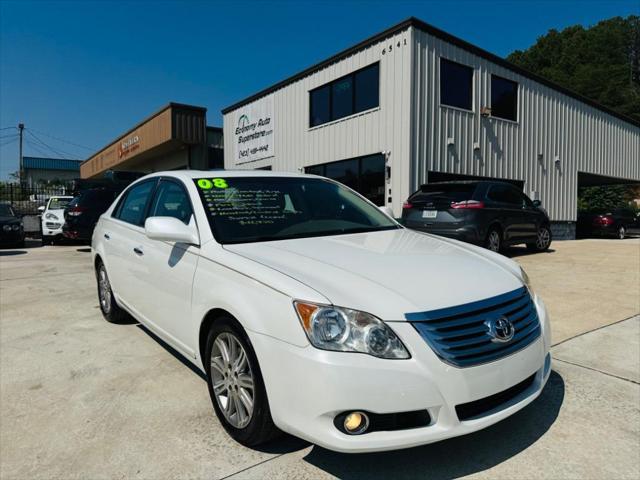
{"x":313,"y":312}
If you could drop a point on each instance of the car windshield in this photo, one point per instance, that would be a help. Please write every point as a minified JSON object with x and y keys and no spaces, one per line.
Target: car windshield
{"x":5,"y":211}
{"x":257,"y":209}
{"x":58,"y":203}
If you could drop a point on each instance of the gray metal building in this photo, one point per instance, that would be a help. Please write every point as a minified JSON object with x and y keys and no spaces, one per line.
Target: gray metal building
{"x":415,"y":104}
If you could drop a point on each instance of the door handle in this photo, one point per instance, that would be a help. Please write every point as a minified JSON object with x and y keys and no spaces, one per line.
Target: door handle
{"x":138,"y":251}
{"x":106,"y":235}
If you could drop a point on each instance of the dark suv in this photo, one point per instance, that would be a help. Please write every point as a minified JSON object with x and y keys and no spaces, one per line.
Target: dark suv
{"x":489,"y":213}
{"x":83,"y":212}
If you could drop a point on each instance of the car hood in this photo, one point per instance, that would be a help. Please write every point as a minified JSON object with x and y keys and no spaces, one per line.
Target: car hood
{"x":8,"y":219}
{"x":388,"y":273}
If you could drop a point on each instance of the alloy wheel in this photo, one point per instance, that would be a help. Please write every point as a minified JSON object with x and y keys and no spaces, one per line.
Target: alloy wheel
{"x":104,"y":290}
{"x":232,"y":379}
{"x":494,"y":241}
{"x":543,"y":239}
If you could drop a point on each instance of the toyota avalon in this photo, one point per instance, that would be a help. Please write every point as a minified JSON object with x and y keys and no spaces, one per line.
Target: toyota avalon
{"x":313,"y":312}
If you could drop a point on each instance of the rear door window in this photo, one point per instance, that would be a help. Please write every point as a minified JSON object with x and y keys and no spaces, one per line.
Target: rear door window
{"x":505,"y":194}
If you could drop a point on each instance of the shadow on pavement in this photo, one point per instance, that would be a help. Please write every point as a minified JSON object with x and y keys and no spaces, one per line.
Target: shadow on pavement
{"x":517,"y":251}
{"x":457,"y":457}
{"x":10,"y":253}
{"x":171,"y":350}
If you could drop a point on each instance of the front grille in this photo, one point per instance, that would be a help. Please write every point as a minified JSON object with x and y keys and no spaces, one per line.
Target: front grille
{"x":460,"y":335}
{"x":478,"y":408}
{"x":52,"y":225}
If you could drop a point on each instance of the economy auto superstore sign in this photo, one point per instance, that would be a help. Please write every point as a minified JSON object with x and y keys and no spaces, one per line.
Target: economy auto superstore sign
{"x":253,"y":131}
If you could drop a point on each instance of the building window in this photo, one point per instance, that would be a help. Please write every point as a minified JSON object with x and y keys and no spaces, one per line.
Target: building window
{"x":363,"y":174}
{"x":320,"y":105}
{"x":353,"y":93}
{"x":456,"y":85}
{"x":504,"y":98}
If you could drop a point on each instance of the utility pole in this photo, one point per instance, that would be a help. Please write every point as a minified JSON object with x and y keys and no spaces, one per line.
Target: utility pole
{"x":21,"y":128}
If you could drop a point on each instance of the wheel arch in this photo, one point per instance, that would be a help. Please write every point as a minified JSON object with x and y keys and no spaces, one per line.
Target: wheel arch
{"x":207,"y":322}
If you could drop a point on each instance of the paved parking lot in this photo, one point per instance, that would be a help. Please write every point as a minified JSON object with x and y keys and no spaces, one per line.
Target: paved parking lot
{"x":81,"y":398}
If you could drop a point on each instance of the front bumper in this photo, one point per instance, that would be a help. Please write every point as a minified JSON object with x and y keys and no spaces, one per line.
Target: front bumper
{"x":308,"y":387}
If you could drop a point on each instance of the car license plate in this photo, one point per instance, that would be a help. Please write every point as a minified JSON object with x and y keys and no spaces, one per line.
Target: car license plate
{"x":429,"y":213}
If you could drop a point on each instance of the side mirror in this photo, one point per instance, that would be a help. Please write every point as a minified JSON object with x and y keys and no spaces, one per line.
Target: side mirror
{"x":386,"y":210}
{"x":41,"y":209}
{"x":537,"y":203}
{"x":169,"y":229}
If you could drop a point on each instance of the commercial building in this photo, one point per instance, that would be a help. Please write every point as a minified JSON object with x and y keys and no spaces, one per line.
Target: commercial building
{"x":414,"y":104}
{"x":42,"y":170}
{"x":175,"y":137}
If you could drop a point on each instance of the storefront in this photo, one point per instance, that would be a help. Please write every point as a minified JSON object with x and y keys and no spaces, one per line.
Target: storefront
{"x":175,"y":137}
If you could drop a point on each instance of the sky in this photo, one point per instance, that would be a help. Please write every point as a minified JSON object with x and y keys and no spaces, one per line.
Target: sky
{"x":80,"y":73}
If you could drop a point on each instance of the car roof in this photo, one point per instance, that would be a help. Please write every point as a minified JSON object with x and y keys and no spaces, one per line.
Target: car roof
{"x":469,"y":182}
{"x":191,"y":174}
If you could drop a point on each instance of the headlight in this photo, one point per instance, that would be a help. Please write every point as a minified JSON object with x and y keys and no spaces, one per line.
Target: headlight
{"x":15,"y":227}
{"x":51,"y":216}
{"x":6,"y":228}
{"x":345,"y":330}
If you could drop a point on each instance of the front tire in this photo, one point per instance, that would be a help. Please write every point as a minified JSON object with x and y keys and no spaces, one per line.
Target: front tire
{"x":110,"y":310}
{"x":235,"y":384}
{"x":621,"y":233}
{"x":543,"y":240}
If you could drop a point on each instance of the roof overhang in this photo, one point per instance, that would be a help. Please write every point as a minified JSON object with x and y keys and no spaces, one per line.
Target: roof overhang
{"x":172,"y":127}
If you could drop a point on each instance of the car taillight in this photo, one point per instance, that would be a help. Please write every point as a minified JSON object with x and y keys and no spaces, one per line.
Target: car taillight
{"x":406,"y":206}
{"x":467,"y":204}
{"x":75,"y":211}
{"x":604,"y":220}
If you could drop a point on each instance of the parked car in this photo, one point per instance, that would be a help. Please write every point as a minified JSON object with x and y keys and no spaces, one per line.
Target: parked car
{"x":11,"y":227}
{"x":606,"y":223}
{"x":82,"y":213}
{"x":313,"y":312}
{"x":487,"y":213}
{"x":53,"y":218}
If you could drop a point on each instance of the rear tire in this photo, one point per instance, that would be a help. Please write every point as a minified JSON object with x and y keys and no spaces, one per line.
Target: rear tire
{"x":493,"y":241}
{"x":110,"y":310}
{"x":239,"y":397}
{"x":543,"y":240}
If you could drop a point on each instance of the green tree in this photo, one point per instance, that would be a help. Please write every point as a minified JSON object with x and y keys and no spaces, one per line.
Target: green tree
{"x":606,"y":197}
{"x":601,"y":62}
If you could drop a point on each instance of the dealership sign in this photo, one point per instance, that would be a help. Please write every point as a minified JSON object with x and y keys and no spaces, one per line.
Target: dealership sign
{"x":253,"y":131}
{"x":127,"y":146}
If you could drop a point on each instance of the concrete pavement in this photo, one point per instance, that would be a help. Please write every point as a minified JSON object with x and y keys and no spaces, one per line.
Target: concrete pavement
{"x":81,"y":398}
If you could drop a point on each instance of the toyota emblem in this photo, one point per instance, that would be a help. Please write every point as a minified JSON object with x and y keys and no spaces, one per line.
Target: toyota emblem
{"x":501,"y":330}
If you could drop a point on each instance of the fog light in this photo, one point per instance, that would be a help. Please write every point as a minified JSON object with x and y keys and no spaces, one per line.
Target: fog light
{"x":356,"y":423}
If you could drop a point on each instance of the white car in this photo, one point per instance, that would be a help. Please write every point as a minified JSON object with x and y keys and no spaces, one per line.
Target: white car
{"x":53,"y":218}
{"x":313,"y":312}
